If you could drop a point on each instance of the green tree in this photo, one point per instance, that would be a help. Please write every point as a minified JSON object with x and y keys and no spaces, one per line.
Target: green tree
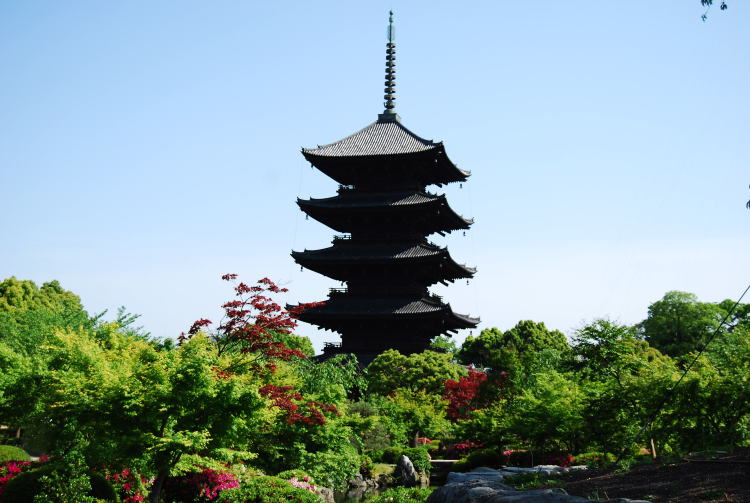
{"x":624,"y":380}
{"x":29,"y":314}
{"x":136,"y":406}
{"x":444,"y":344}
{"x":678,"y":323}
{"x":513,"y":357}
{"x":426,"y":372}
{"x":550,"y":414}
{"x":332,"y":380}
{"x":495,"y":348}
{"x":416,"y":413}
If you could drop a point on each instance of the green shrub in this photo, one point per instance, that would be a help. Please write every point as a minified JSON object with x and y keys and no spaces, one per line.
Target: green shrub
{"x":331,"y":469}
{"x":23,"y":487}
{"x":595,"y":459}
{"x":11,"y":453}
{"x":377,"y":455}
{"x":391,"y":454}
{"x":403,"y":495}
{"x":482,"y":457}
{"x":419,"y":458}
{"x":296,"y":474}
{"x":267,"y":490}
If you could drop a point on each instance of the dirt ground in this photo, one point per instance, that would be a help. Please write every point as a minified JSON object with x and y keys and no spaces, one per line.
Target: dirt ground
{"x":723,"y":478}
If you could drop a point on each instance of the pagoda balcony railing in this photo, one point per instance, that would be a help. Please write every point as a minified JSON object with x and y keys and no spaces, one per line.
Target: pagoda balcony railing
{"x":342,"y":237}
{"x":331,"y":344}
{"x":345,"y":188}
{"x":333,"y":292}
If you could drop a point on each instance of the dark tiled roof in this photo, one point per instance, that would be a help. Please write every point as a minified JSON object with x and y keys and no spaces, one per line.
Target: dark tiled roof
{"x":372,"y":251}
{"x":375,"y":200}
{"x":365,"y":307}
{"x":379,"y":138}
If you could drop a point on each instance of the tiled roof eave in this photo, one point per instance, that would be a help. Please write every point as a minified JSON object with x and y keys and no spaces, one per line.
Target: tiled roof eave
{"x":377,"y":138}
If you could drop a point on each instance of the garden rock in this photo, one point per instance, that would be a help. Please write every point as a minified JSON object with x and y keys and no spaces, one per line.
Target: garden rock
{"x":325,"y":493}
{"x":406,"y":472}
{"x":484,"y":485}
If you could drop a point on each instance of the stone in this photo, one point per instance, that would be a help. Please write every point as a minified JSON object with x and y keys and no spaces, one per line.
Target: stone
{"x":485,"y":485}
{"x":406,"y":472}
{"x":325,"y":493}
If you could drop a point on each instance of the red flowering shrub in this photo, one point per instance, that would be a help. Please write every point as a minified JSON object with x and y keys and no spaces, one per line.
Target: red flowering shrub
{"x":202,"y":486}
{"x":462,"y":394}
{"x":130,"y":485}
{"x":564,"y":460}
{"x":210,"y":483}
{"x":461,"y":449}
{"x":9,"y":469}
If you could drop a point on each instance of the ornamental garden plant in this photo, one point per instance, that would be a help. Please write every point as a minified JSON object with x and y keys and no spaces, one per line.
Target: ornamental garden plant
{"x":235,"y":411}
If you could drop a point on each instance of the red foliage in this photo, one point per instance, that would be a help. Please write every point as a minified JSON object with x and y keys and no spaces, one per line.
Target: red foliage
{"x":297,"y":410}
{"x":462,"y":394}
{"x":209,"y":483}
{"x":130,"y":484}
{"x":251,"y":321}
{"x":461,"y":449}
{"x":9,"y":469}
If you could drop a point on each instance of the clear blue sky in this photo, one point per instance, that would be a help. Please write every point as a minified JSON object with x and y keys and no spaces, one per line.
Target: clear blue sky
{"x":147,"y":147}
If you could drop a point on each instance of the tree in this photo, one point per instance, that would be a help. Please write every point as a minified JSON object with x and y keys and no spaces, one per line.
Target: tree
{"x":600,"y":348}
{"x":550,"y":414}
{"x":514,"y":356}
{"x":416,"y":413}
{"x":425,"y":372}
{"x":131,"y":404}
{"x":678,"y":323}
{"x":462,"y":395}
{"x":444,"y":344}
{"x":494,"y":348}
{"x":29,"y":314}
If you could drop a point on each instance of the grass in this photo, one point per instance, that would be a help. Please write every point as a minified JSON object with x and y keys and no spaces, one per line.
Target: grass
{"x":533,"y":480}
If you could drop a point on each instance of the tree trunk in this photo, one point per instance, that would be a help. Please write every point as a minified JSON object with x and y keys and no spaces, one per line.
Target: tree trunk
{"x":155,"y":495}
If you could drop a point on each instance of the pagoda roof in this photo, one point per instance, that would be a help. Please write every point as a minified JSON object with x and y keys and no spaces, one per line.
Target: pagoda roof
{"x":382,"y":137}
{"x":390,"y":307}
{"x":345,"y":260}
{"x":337,"y":212}
{"x":376,"y":199}
{"x":376,"y":252}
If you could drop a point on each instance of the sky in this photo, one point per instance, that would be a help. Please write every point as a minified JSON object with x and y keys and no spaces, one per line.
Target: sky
{"x":147,"y":147}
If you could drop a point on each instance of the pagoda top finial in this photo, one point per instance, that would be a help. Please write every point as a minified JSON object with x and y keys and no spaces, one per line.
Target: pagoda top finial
{"x":390,"y":73}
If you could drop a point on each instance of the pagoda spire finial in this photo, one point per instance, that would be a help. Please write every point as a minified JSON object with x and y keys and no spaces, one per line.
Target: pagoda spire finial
{"x":390,"y":70}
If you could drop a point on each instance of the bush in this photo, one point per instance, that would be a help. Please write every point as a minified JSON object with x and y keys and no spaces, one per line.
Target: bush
{"x":26,"y":485}
{"x":419,"y":458}
{"x":595,"y":459}
{"x":391,"y":454}
{"x":267,"y":490}
{"x":11,"y":453}
{"x":331,"y":469}
{"x":483,"y":457}
{"x":377,"y":455}
{"x":403,"y":495}
{"x":296,"y":474}
{"x":197,"y":486}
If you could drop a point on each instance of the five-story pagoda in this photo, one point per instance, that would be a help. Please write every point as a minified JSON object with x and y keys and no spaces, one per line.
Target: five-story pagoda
{"x":384,"y":257}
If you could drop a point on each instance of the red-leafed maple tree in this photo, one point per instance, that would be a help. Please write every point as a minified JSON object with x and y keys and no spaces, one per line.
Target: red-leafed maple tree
{"x":462,"y":394}
{"x":251,"y":326}
{"x":250,"y":329}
